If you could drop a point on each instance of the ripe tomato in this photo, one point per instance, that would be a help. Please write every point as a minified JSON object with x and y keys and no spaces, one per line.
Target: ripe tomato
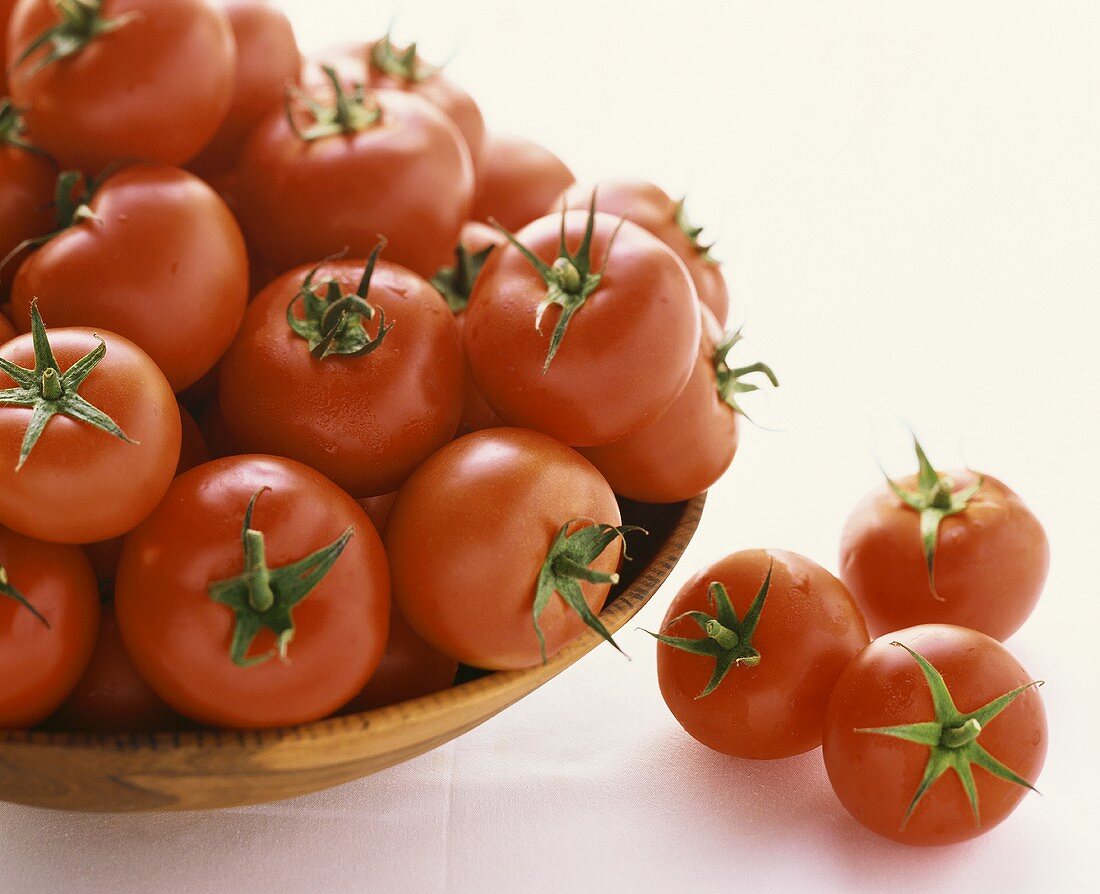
{"x":267,"y":62}
{"x":111,"y":696}
{"x":26,"y":189}
{"x":556,"y":347}
{"x":282,"y":628}
{"x":958,"y":548}
{"x":652,"y":209}
{"x":693,"y":443}
{"x":89,"y":434}
{"x":750,"y":649}
{"x":121,"y":79}
{"x":517,"y":181}
{"x":156,"y":257}
{"x":385,"y":162}
{"x":409,"y":669}
{"x":6,"y":7}
{"x":358,"y":374}
{"x":471,"y":598}
{"x":49,"y":612}
{"x":894,"y":727}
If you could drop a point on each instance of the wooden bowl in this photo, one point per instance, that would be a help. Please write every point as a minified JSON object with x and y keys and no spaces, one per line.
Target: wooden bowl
{"x":218,"y":768}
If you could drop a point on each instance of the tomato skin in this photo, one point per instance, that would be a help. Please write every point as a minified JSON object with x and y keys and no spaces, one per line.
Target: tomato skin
{"x":7,"y":330}
{"x":134,"y":93}
{"x":408,"y":178}
{"x":991,"y":561}
{"x":26,"y":191}
{"x":595,"y":390}
{"x":378,"y":509}
{"x":267,"y":62}
{"x":687,"y":449}
{"x":654,"y":210}
{"x":165,"y":266}
{"x":455,"y":583}
{"x":518,"y":181}
{"x":809,"y":630}
{"x":81,"y":484}
{"x":40,"y":665}
{"x":179,"y":638}
{"x":875,"y":776}
{"x":6,"y":7}
{"x":365,"y":422}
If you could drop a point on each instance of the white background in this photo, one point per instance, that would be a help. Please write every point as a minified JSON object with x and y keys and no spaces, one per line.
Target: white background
{"x":906,"y":196}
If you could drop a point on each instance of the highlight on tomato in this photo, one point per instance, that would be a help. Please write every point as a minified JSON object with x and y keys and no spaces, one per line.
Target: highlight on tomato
{"x":104,"y":80}
{"x":949,"y":548}
{"x":27,"y":177}
{"x":750,"y":649}
{"x":500,"y":608}
{"x":89,"y":434}
{"x":584,"y":327}
{"x":518,"y":181}
{"x":255,"y":595}
{"x":934,"y":735}
{"x":352,"y":367}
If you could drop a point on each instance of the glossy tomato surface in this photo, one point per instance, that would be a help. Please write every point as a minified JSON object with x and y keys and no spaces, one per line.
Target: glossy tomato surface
{"x":876,"y":776}
{"x":470,"y":532}
{"x":41,"y":664}
{"x":179,"y":638}
{"x":26,"y":191}
{"x":990,"y":565}
{"x":809,"y":629}
{"x":518,"y":181}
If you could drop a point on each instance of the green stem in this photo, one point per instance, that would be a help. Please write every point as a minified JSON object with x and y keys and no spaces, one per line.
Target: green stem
{"x":260,"y":595}
{"x":963,"y":734}
{"x":726,"y":638}
{"x":51,"y":385}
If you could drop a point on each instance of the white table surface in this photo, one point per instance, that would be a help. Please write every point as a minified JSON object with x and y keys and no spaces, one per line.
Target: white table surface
{"x":906,"y":198}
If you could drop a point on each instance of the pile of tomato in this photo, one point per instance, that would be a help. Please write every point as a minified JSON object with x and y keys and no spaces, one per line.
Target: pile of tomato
{"x":311,"y":390}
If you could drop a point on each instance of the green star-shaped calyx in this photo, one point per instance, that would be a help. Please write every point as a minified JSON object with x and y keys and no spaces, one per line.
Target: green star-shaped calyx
{"x":81,"y":22}
{"x":693,"y":233}
{"x":730,"y":379}
{"x":348,"y":113}
{"x":456,"y":283}
{"x":400,"y":64}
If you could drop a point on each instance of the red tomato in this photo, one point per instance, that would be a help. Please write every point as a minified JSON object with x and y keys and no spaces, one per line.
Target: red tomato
{"x":517,"y":181}
{"x":466,"y":594}
{"x":49,"y":612}
{"x":889,"y":739}
{"x":982,"y":564}
{"x":377,"y":405}
{"x":384,"y":163}
{"x":121,"y":79}
{"x":267,"y":61}
{"x":693,"y":443}
{"x":409,"y":669}
{"x":652,"y":209}
{"x":6,"y":7}
{"x":26,"y":190}
{"x":557,"y":348}
{"x":111,"y":696}
{"x":162,"y":262}
{"x":206,"y":634}
{"x":750,"y":649}
{"x":106,"y":456}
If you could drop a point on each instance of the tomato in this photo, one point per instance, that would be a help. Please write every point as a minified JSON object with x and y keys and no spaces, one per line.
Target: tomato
{"x":111,"y":696}
{"x":557,"y":347}
{"x":6,"y":7}
{"x":161,"y":261}
{"x":381,"y":64}
{"x":267,"y":61}
{"x":958,"y":548}
{"x":363,"y":396}
{"x":110,"y":440}
{"x":121,"y":79}
{"x":652,"y":209}
{"x":288,"y":642}
{"x":409,"y":669}
{"x":693,"y":443}
{"x":49,"y":612}
{"x":26,"y":190}
{"x":385,"y":162}
{"x":750,"y":649}
{"x":517,"y":181}
{"x":895,"y":727}
{"x":488,"y":533}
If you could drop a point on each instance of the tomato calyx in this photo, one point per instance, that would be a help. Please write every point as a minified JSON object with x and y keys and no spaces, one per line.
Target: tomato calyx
{"x":728,"y":639}
{"x":952,"y":738}
{"x":13,"y":130}
{"x":49,"y":392}
{"x":349,"y":113}
{"x":456,"y":283}
{"x":934,"y":500}
{"x":567,"y":564}
{"x":401,"y":64}
{"x":729,"y":379}
{"x":82,"y":21}
{"x":333,"y":322}
{"x":264,"y":597}
{"x":8,"y":590}
{"x":693,"y":233}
